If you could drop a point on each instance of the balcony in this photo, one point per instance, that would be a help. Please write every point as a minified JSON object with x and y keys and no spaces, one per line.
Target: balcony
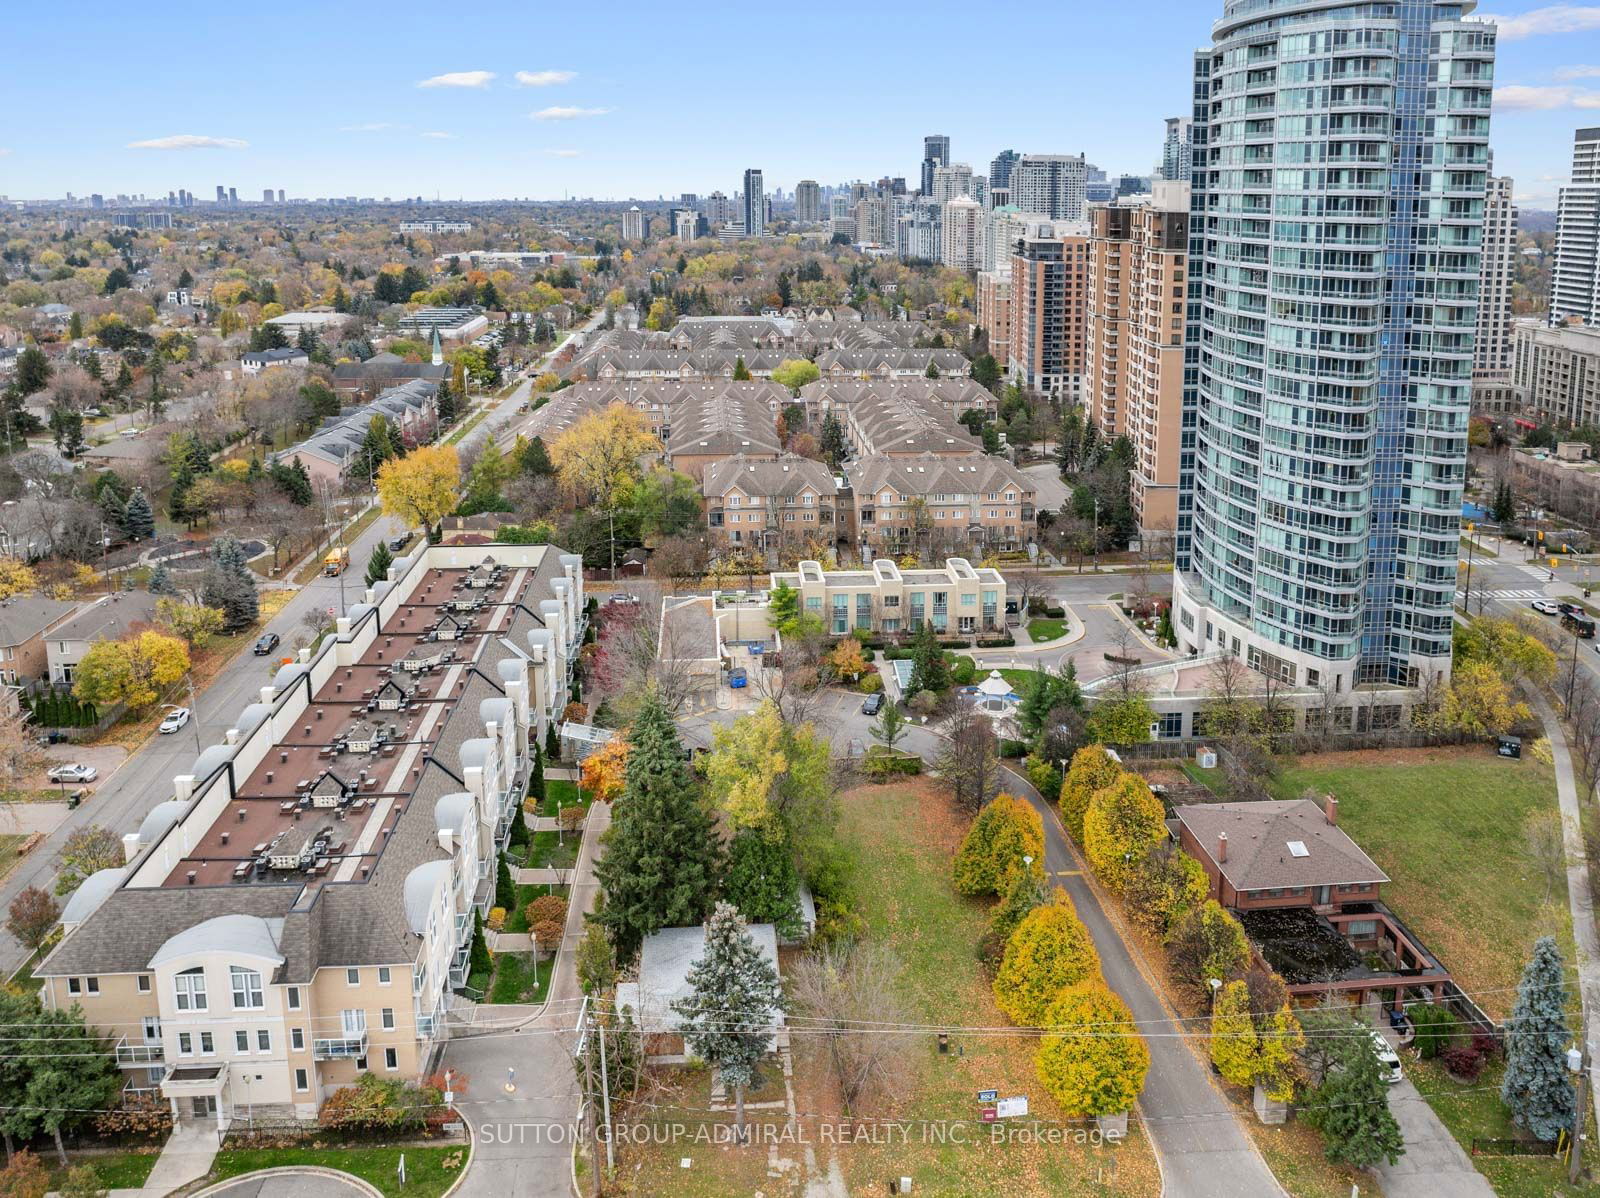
{"x":339,"y":1048}
{"x":140,"y":1052}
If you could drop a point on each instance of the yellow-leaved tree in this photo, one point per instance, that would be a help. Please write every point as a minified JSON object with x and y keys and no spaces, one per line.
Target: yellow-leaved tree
{"x":1480,"y":701}
{"x":1005,"y":832}
{"x":597,"y":459}
{"x":132,"y":671}
{"x":1255,"y":1041}
{"x":603,"y":771}
{"x":1092,"y":1059}
{"x":847,"y":659}
{"x":420,"y":488}
{"x":1123,"y":821}
{"x":1091,"y":769}
{"x":16,"y":577}
{"x":1050,"y":949}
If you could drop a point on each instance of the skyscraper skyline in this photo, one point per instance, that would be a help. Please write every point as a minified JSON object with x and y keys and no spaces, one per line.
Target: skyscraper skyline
{"x":935,"y":153}
{"x":1575,"y":277}
{"x":754,"y":200}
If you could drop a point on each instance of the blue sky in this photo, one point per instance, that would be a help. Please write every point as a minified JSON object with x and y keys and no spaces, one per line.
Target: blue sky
{"x":617,"y":99}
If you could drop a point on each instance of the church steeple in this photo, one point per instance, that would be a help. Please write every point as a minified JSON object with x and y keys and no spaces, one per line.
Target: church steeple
{"x":438,"y":349}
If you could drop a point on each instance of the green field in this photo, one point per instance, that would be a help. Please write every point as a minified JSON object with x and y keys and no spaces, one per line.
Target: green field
{"x":1047,"y":630}
{"x":430,"y":1171}
{"x":1447,"y":826}
{"x":116,"y":1170}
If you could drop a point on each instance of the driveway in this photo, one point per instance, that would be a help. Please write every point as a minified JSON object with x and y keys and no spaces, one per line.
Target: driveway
{"x":1434,"y":1164}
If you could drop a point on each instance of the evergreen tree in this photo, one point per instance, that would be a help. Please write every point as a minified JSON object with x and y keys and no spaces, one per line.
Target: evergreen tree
{"x":75,"y":327}
{"x":552,"y":744}
{"x":535,"y":459}
{"x":1537,"y":1087}
{"x":479,"y":961}
{"x":161,"y":581}
{"x":505,"y":891}
{"x":178,"y":509}
{"x":138,"y":521}
{"x":761,"y":880}
{"x":1351,"y":1106}
{"x":832,"y":443}
{"x":741,"y":372}
{"x":185,"y":279}
{"x":1505,"y":504}
{"x":733,"y":1004}
{"x":933,"y":370}
{"x":378,"y":564}
{"x":929,"y":670}
{"x":33,"y":371}
{"x":662,"y":855}
{"x":536,"y":779}
{"x":230,"y":585}
{"x":445,"y":402}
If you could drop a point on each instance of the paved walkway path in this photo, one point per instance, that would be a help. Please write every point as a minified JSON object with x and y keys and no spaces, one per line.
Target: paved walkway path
{"x":186,"y":1157}
{"x":1579,"y":896}
{"x":1203,"y":1151}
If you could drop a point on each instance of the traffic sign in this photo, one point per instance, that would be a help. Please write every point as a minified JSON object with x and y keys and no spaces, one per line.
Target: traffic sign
{"x":988,"y":1095}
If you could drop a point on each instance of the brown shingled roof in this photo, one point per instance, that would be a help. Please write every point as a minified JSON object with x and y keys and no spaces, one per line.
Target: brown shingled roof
{"x":1259,"y":836}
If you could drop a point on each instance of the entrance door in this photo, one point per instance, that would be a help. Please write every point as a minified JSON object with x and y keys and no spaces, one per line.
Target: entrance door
{"x":204,"y":1106}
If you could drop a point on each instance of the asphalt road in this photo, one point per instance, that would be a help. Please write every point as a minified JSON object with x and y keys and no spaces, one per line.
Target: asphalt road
{"x":1507,"y":584}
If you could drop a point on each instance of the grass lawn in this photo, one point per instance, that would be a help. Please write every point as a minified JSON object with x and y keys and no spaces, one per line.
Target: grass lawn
{"x":116,"y":1170}
{"x":9,"y":857}
{"x":566,"y":794}
{"x":1047,"y":630}
{"x":1479,"y":549}
{"x":519,"y":980}
{"x":553,"y":850}
{"x":430,"y":1170}
{"x":1446,"y":826}
{"x":517,"y":920}
{"x":1475,"y":1111}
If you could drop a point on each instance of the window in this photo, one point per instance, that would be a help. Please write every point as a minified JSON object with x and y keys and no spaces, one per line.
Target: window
{"x":294,"y":998}
{"x":383,"y":975}
{"x":189,"y":989}
{"x":352,"y":977}
{"x":93,"y":985}
{"x":241,"y":1041}
{"x":263,"y":1040}
{"x":246,"y":989}
{"x":297,"y":1039}
{"x":144,"y":983}
{"x":388,"y":1018}
{"x":300,"y":1082}
{"x":185,"y":1044}
{"x":1361,"y":927}
{"x":74,"y":986}
{"x":207,"y":1044}
{"x":391,"y":1058}
{"x":354,"y":1021}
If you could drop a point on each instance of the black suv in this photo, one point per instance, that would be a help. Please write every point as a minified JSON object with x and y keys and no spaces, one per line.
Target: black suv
{"x":266,"y":643}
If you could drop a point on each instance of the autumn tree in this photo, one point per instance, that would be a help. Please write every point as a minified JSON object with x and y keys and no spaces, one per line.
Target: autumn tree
{"x":194,"y":623}
{"x":1123,"y":822}
{"x":1123,"y":720}
{"x":847,"y":990}
{"x":31,"y":916}
{"x":133,"y":671}
{"x":16,"y":578}
{"x":1091,"y":770}
{"x":598,"y":459}
{"x":795,"y":373}
{"x":420,"y":488}
{"x":970,"y":758}
{"x":1006,"y":831}
{"x":1049,"y":949}
{"x":1207,"y":942}
{"x":1252,"y":1047}
{"x":1091,"y":1059}
{"x":847,"y":660}
{"x":88,"y":850}
{"x":764,"y":772}
{"x":603,"y":771}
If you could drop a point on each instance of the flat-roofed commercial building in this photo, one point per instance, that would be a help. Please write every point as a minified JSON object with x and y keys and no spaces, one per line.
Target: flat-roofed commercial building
{"x":296,"y":909}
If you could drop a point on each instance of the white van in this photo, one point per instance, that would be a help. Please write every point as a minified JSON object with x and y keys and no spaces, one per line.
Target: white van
{"x":1388,"y":1059}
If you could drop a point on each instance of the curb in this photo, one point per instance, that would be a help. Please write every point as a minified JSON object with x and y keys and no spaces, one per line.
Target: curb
{"x":351,"y":1179}
{"x":472,"y":1154}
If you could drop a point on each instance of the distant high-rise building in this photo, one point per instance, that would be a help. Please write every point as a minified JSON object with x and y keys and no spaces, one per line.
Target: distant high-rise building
{"x":222,"y":194}
{"x":1000,"y":169}
{"x":233,"y":197}
{"x":635,"y":225}
{"x":1049,"y":184}
{"x":1133,"y":341}
{"x":841,"y":215}
{"x":807,"y":202}
{"x":717,"y":210}
{"x":755,"y":204}
{"x":280,"y":195}
{"x":962,"y":234}
{"x":1575,"y":277}
{"x":951,"y":181}
{"x":97,"y":200}
{"x":266,"y":195}
{"x":1049,"y":282}
{"x":1491,"y":353}
{"x":689,"y":200}
{"x":1177,"y":151}
{"x":1325,"y":478}
{"x":935,"y":152}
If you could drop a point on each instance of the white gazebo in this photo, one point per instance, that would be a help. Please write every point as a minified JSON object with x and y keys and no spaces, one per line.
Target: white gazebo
{"x":995,"y":698}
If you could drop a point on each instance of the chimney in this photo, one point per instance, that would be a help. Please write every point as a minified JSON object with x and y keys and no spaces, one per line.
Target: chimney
{"x":1222,"y":847}
{"x":1330,"y":808}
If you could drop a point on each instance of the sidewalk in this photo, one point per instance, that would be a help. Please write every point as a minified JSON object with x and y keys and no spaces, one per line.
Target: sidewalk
{"x":186,"y":1157}
{"x":1579,"y":897}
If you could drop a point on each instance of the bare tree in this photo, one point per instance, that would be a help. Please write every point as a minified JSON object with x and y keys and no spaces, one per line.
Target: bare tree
{"x":848,"y":992}
{"x":650,"y":649}
{"x":796,"y":687}
{"x":1125,"y":661}
{"x":1227,"y":707}
{"x":1025,"y":586}
{"x":970,"y":758}
{"x":1544,"y":837}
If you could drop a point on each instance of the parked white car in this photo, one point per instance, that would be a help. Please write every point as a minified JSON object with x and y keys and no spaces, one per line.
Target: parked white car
{"x":74,"y":773}
{"x":1388,"y":1060}
{"x":176,"y":718}
{"x":1548,"y":606}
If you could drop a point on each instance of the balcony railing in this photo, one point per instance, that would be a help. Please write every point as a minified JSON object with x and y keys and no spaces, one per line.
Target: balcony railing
{"x":339,"y":1048}
{"x":140,"y":1052}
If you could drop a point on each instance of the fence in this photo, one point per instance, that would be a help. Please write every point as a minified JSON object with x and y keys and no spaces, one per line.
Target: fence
{"x":1492,"y":1147}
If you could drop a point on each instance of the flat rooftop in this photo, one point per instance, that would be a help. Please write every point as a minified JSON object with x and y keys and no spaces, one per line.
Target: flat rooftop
{"x":332,"y":790}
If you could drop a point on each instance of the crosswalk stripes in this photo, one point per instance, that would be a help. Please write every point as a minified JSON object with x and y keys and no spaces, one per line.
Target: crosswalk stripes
{"x":1516,"y":593}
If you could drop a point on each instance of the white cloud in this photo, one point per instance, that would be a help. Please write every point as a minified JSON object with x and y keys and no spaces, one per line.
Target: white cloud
{"x":188,"y":141}
{"x":566,"y":114}
{"x":545,"y":78}
{"x":368,"y":127}
{"x":1518,"y":98}
{"x":438,"y":136}
{"x":552,"y":153}
{"x":4,"y":153}
{"x":1578,"y":73}
{"x":1557,"y":18}
{"x":460,"y":79}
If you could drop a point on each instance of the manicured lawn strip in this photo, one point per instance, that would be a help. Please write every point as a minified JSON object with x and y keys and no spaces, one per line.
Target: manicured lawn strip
{"x":518,"y":980}
{"x":427,"y":1175}
{"x":116,"y":1170}
{"x":1475,"y":1111}
{"x":1047,"y":630}
{"x":559,"y":790}
{"x":547,"y":850}
{"x":1446,"y":826}
{"x":1294,"y":1153}
{"x":9,"y":858}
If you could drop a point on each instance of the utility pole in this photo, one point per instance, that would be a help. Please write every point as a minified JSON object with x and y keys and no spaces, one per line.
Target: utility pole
{"x":1466,"y":604}
{"x":593,"y":1130}
{"x":1097,"y":535}
{"x":1575,"y":1160}
{"x":605,"y":1098}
